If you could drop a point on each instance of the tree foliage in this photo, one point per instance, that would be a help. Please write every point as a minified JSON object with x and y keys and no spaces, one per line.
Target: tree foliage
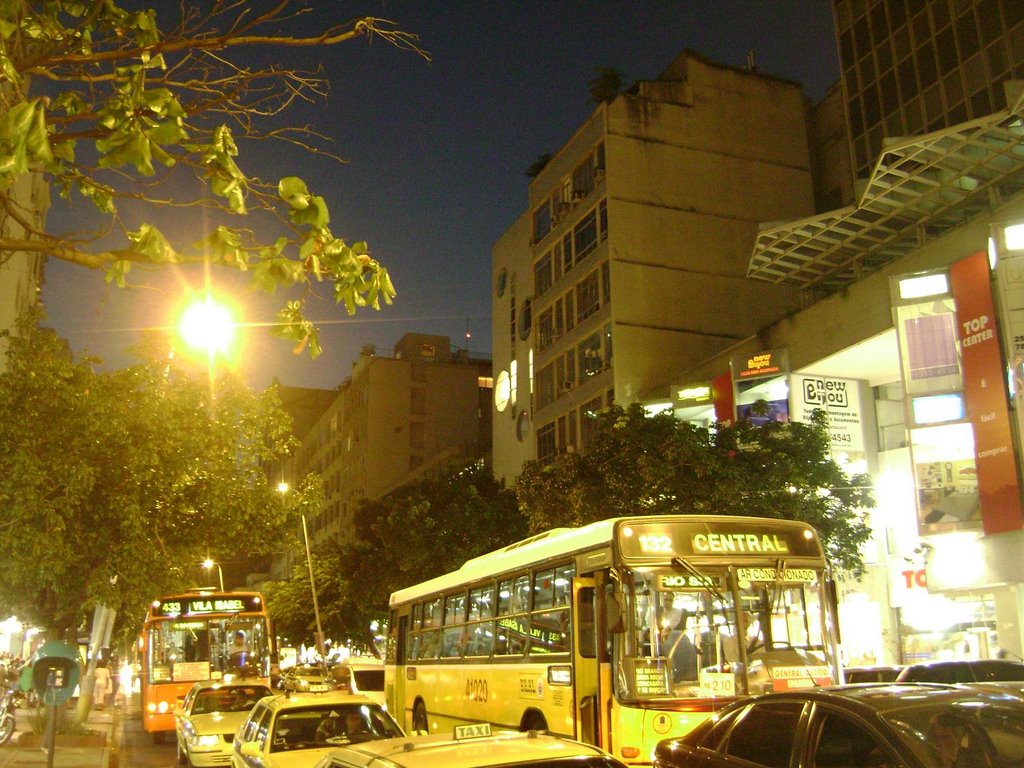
{"x":104,"y":101}
{"x":116,"y":485}
{"x":640,"y":464}
{"x":606,"y":86}
{"x":421,"y":530}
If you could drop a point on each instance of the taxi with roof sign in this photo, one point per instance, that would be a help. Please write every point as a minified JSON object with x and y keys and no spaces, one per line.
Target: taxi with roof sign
{"x":294,"y":729}
{"x":471,"y":746}
{"x":206,"y":720}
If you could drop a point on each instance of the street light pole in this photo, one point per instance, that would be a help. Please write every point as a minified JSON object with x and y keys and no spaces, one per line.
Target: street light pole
{"x":312,"y":587}
{"x":208,"y":564}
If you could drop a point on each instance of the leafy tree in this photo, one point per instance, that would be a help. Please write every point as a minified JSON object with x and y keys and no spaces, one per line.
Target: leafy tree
{"x":538,"y":165}
{"x":419,"y":531}
{"x":640,"y":464}
{"x":103,"y":101}
{"x":606,"y":86}
{"x":290,"y":602}
{"x":116,"y":485}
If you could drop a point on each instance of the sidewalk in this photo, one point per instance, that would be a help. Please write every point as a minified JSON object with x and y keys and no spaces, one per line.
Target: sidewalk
{"x":66,"y":755}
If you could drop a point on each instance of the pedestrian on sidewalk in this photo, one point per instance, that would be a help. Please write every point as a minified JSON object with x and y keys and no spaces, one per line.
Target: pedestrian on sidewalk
{"x":102,"y":687}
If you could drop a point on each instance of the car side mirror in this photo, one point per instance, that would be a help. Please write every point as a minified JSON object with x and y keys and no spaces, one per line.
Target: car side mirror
{"x":249,"y":749}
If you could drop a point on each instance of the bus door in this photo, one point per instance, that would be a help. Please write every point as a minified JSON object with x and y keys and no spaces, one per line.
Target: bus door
{"x":395,"y":695}
{"x":586,"y":677}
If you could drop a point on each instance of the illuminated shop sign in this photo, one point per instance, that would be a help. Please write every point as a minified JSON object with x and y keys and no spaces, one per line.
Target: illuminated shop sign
{"x":767,"y":363}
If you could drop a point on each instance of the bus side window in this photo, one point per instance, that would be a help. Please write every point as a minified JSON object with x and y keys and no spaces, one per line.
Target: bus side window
{"x":585,"y":615}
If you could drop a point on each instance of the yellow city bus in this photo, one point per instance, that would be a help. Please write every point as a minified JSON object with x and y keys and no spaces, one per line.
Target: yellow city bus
{"x":620,"y":633}
{"x":199,"y":635}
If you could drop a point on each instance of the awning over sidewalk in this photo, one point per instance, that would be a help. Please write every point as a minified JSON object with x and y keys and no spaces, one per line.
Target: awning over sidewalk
{"x":921,"y":187}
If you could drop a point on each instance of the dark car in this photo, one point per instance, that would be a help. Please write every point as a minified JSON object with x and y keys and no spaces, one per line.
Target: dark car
{"x":860,"y":726}
{"x":965,"y":671}
{"x":878,"y":674}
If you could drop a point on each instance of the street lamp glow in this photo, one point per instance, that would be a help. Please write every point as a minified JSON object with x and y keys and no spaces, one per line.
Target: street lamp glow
{"x":208,"y":325}
{"x":208,"y":564}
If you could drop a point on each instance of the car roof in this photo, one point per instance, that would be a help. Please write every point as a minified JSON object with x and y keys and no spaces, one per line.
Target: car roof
{"x":210,"y":685}
{"x":886,"y":697}
{"x":290,"y":699}
{"x":968,"y":663}
{"x":442,"y":751}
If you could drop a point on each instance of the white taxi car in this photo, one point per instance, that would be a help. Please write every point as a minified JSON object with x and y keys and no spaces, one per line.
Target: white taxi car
{"x":208,"y":717}
{"x":472,"y":746}
{"x":295,"y":729}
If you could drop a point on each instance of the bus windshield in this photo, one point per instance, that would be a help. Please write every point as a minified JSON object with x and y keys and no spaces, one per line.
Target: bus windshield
{"x":724,"y":638}
{"x":207,"y":648}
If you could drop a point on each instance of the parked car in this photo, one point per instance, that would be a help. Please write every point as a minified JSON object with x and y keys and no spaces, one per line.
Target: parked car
{"x":861,"y":726}
{"x":295,"y":729}
{"x":877,"y":674}
{"x":206,"y":721}
{"x":366,"y":678}
{"x":307,"y":677}
{"x":471,"y":746}
{"x":963,"y":671}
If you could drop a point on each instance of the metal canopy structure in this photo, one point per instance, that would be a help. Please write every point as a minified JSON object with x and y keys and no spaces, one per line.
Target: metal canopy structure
{"x":920,"y":188}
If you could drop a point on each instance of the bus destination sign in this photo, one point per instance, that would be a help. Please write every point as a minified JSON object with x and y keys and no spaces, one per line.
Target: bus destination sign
{"x":193,"y":606}
{"x":650,"y":540}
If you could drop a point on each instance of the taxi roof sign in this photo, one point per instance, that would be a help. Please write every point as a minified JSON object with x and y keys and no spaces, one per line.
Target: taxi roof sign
{"x":474,"y":731}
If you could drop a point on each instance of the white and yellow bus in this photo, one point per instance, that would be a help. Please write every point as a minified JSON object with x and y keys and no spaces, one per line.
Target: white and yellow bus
{"x":620,"y":633}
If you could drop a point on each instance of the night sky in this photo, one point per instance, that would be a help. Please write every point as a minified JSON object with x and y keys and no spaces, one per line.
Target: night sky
{"x":437,"y":153}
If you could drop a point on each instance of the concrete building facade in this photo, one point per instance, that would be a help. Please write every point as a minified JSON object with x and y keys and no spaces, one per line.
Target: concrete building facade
{"x":395,"y":419}
{"x":630,"y":260}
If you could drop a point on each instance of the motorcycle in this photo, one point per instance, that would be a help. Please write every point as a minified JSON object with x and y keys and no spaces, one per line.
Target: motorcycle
{"x":7,"y":706}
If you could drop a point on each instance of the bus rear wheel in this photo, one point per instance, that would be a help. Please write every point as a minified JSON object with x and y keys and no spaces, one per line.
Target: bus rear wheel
{"x":534,"y":721}
{"x":419,"y":717}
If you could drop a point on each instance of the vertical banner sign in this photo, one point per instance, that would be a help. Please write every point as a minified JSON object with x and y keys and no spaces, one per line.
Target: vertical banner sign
{"x":722,"y":396}
{"x":985,"y":395}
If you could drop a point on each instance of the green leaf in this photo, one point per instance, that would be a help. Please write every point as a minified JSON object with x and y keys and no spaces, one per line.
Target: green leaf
{"x":293,"y":191}
{"x":151,"y":243}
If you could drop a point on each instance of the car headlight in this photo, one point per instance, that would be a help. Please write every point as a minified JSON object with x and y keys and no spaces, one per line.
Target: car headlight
{"x":207,"y":740}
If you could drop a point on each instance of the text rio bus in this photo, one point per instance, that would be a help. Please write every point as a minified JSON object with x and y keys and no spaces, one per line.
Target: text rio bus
{"x":620,"y":633}
{"x":200,"y":635}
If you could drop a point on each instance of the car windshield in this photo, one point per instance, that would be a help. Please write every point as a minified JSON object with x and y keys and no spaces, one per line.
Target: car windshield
{"x":323,"y":725}
{"x":240,"y":698}
{"x":965,"y":734}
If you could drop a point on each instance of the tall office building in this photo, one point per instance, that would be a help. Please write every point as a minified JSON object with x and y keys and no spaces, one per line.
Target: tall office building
{"x":915,"y":66}
{"x":630,"y":261}
{"x":398,"y":417}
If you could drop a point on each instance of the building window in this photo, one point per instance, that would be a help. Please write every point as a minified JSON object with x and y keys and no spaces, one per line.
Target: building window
{"x":585,"y":236}
{"x":590,"y":356}
{"x":416,"y":434}
{"x":546,"y":385}
{"x":546,"y":443}
{"x":418,"y":401}
{"x":588,"y":420}
{"x":541,"y":221}
{"x":525,"y":320}
{"x":570,"y":316}
{"x":546,"y":328}
{"x":542,"y":277}
{"x":588,"y":297}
